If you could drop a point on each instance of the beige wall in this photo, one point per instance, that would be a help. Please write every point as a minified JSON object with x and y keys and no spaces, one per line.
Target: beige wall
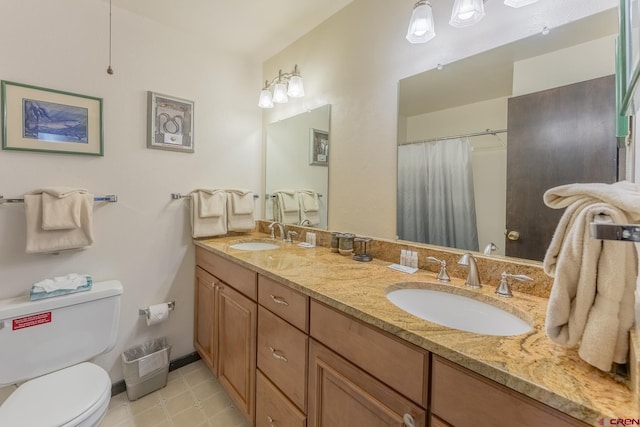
{"x":354,"y":61}
{"x":579,"y":63}
{"x":144,"y":239}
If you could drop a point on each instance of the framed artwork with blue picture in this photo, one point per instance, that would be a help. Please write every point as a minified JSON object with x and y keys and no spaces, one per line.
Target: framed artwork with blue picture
{"x":52,"y":121}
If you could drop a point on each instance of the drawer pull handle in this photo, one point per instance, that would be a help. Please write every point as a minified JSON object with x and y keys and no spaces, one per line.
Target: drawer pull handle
{"x":408,"y":420}
{"x":277,"y":355}
{"x":278,"y":300}
{"x":270,"y":421}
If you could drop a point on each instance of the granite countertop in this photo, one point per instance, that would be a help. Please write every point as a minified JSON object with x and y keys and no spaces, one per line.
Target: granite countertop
{"x":529,"y":363}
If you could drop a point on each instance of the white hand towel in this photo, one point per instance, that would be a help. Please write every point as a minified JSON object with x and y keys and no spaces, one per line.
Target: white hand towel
{"x":211,"y":203}
{"x":309,"y":200}
{"x":241,"y":222}
{"x":39,"y":240}
{"x":309,"y":207}
{"x":241,"y":201}
{"x":288,"y":206}
{"x":210,"y":225}
{"x":591,"y":302}
{"x":60,"y":207}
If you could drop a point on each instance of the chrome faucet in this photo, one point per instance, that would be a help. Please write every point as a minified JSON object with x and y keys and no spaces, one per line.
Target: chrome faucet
{"x":504,"y":290}
{"x":473,"y":277}
{"x":281,"y":227}
{"x":490,"y":248}
{"x":442,"y":275}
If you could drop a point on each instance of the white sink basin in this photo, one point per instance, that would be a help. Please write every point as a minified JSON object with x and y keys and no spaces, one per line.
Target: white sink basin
{"x":254,"y":246}
{"x":458,"y":312}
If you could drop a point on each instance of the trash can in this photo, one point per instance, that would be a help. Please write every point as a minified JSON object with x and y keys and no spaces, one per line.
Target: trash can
{"x":146,"y":367}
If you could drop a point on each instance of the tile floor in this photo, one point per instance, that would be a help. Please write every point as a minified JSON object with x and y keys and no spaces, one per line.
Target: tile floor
{"x":192,"y":398}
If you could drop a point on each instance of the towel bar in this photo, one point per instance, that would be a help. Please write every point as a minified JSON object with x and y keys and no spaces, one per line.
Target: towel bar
{"x":273,"y":196}
{"x":622,"y":232}
{"x":176,"y":196}
{"x":145,"y":311}
{"x":108,"y":198}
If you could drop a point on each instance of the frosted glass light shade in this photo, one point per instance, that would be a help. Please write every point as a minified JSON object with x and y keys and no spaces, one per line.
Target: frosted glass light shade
{"x":421,"y":28}
{"x":519,"y":3}
{"x":280,"y":93}
{"x":296,"y":89}
{"x":466,"y":12}
{"x":265,"y":101}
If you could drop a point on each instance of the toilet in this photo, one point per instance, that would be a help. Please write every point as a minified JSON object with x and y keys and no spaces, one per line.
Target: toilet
{"x":46,"y":345}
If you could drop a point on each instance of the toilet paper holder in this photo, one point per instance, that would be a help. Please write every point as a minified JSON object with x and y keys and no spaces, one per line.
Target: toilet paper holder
{"x":145,"y":311}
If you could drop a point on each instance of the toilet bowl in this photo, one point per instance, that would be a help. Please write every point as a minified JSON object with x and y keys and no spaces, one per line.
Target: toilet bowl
{"x":46,"y":345}
{"x":75,"y":396}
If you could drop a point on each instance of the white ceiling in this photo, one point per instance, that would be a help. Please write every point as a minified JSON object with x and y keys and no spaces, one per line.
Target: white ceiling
{"x":490,"y":74}
{"x":253,"y":27}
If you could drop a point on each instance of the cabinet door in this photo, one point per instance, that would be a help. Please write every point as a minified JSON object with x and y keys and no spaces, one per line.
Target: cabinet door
{"x":237,"y":322}
{"x":463,"y":398}
{"x":342,"y":395}
{"x":205,"y":333}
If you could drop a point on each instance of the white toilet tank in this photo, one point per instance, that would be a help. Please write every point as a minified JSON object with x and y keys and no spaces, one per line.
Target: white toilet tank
{"x":38,"y":337}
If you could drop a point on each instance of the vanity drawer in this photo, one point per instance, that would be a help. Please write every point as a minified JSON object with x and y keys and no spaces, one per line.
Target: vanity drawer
{"x":273,"y":408}
{"x":462,"y":398}
{"x":291,"y":305}
{"x":282,"y":356}
{"x":240,"y":278}
{"x":400,"y":365}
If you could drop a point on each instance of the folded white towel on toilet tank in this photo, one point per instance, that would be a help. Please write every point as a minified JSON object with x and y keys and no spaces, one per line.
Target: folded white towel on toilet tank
{"x":71,"y":281}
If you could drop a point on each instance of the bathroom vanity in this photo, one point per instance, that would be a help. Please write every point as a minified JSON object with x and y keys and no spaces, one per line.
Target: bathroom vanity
{"x":300,"y":336}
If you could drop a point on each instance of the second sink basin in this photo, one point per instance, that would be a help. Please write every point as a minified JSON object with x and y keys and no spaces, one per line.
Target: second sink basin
{"x":458,"y":312}
{"x":255,"y":245}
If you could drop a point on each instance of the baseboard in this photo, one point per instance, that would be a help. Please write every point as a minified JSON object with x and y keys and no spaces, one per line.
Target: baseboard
{"x":121,"y":387}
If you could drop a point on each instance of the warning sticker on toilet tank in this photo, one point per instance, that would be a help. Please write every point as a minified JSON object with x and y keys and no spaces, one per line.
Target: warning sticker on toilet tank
{"x":33,"y":320}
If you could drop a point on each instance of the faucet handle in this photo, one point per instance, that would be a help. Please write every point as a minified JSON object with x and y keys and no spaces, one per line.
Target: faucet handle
{"x":443,"y":276}
{"x":504,"y":290}
{"x":290,"y":235}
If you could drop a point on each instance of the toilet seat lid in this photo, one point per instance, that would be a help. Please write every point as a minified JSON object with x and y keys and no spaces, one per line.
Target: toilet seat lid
{"x":57,"y":398}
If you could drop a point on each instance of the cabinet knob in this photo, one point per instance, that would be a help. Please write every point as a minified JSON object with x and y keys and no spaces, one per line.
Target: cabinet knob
{"x":513,"y":235}
{"x":270,"y":421}
{"x":278,"y":300}
{"x":277,"y":355}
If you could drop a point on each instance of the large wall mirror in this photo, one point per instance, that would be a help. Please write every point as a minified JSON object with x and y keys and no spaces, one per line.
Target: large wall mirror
{"x":297,"y":168}
{"x":481,"y":114}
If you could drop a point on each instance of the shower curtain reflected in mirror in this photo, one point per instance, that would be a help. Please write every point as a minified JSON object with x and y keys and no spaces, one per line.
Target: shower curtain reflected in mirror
{"x":436,"y":202}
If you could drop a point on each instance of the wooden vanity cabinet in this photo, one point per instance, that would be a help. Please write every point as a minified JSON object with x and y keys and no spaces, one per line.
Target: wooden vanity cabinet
{"x":342,"y":395}
{"x":359,"y":375}
{"x":463,"y":398}
{"x":290,"y":361}
{"x":226,"y":325}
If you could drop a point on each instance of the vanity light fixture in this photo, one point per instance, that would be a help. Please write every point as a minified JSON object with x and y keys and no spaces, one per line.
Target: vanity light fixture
{"x":464,"y":13}
{"x":519,"y":3}
{"x":285,"y":85}
{"x":421,"y":28}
